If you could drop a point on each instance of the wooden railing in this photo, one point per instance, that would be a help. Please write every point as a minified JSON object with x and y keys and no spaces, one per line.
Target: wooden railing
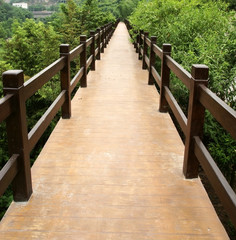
{"x":201,"y":98}
{"x":13,"y":110}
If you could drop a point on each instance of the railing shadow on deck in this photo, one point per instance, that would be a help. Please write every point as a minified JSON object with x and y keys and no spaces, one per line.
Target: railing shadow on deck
{"x":201,"y":98}
{"x":13,"y":110}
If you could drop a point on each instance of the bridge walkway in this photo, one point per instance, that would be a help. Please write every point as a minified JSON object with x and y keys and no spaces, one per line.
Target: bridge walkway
{"x":114,"y":170}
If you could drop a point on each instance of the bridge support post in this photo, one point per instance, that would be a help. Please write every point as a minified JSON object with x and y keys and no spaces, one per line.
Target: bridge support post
{"x":65,"y":81}
{"x":151,"y":79}
{"x":99,"y":44}
{"x":83,"y":61}
{"x":17,"y":133}
{"x":92,"y":50}
{"x":196,"y":114}
{"x":145,"y":49}
{"x":165,"y":77}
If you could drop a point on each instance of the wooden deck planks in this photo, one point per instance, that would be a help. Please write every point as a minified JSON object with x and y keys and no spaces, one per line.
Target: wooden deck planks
{"x":114,"y":170}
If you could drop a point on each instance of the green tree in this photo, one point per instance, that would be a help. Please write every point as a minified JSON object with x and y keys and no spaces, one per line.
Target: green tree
{"x":70,"y":27}
{"x":92,"y":16}
{"x":126,"y":7}
{"x":37,"y":7}
{"x":32,"y":47}
{"x":111,"y":6}
{"x":200,"y":32}
{"x":8,"y":14}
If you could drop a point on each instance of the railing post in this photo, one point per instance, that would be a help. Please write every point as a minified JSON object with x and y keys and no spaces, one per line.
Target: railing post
{"x":17,"y":133}
{"x":113,"y":27}
{"x":165,"y":77}
{"x":65,"y":80}
{"x":92,"y":50}
{"x":83,"y":61}
{"x":111,"y":31}
{"x":151,"y":79}
{"x":140,"y":45}
{"x":99,"y":44}
{"x":137,"y":42}
{"x":108,"y":33}
{"x":196,"y":114}
{"x":145,"y":49}
{"x":105,"y":36}
{"x":102,"y":39}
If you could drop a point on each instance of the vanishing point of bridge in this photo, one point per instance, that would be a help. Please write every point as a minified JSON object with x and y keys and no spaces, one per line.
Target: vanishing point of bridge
{"x":114,"y":170}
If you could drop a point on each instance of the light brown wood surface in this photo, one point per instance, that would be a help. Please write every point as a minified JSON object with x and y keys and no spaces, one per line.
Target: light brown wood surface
{"x":114,"y":170}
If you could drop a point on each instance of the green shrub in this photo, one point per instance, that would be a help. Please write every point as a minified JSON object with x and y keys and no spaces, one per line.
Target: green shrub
{"x":202,"y":32}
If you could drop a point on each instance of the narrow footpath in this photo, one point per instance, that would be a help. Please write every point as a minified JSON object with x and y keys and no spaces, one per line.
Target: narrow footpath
{"x":114,"y":170}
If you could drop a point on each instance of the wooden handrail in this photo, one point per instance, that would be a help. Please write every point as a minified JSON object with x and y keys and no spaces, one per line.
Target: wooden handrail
{"x":216,"y":178}
{"x":76,"y":52}
{"x":42,"y":124}
{"x":8,"y":173}
{"x":76,"y":79}
{"x":37,"y":81}
{"x":156,"y":76}
{"x":146,"y":59}
{"x":12,"y":106}
{"x":89,"y":61}
{"x":89,"y":41}
{"x":222,"y":112}
{"x":200,"y":99}
{"x":179,"y":71}
{"x":148,"y":42}
{"x":6,"y":106}
{"x":180,"y":116}
{"x":157,"y":51}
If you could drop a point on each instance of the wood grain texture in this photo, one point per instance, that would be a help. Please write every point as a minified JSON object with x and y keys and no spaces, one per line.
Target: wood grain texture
{"x":114,"y":170}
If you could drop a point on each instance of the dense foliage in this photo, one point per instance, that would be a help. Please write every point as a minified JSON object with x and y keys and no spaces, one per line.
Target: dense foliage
{"x":7,"y":16}
{"x":200,"y":32}
{"x":32,"y":47}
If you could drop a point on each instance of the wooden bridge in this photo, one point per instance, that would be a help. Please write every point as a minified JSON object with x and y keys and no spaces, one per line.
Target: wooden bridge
{"x":114,"y":170}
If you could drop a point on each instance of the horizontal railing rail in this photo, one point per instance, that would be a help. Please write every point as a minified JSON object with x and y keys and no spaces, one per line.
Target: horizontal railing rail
{"x":9,"y":172}
{"x":6,"y":106}
{"x":41,"y":78}
{"x":201,"y":98}
{"x":13,"y":109}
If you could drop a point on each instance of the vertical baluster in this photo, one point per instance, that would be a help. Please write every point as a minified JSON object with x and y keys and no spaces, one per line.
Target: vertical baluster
{"x":65,"y":80}
{"x":92,"y":50}
{"x":151,"y":79}
{"x":145,"y":50}
{"x":140,"y":44}
{"x":99,"y":44}
{"x":102,"y":39}
{"x":83,"y":60}
{"x":109,"y":32}
{"x":196,"y":114}
{"x":165,"y":77}
{"x":137,"y":42}
{"x":105,"y":36}
{"x":17,"y":133}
